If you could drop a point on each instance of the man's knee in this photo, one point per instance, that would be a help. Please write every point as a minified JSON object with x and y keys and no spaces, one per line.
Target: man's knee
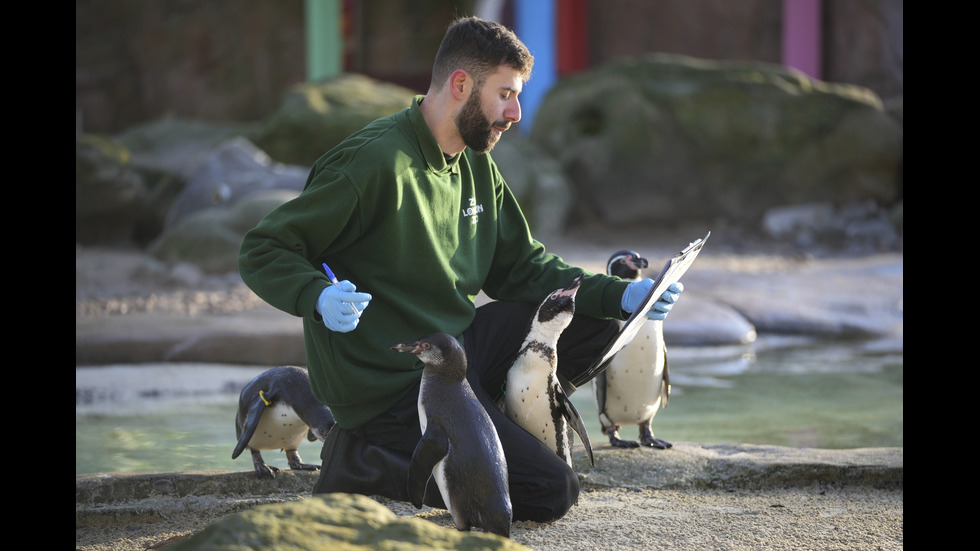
{"x":546,"y":500}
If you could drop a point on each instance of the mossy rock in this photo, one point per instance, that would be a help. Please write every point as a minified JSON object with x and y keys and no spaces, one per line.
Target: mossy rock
{"x":335,"y":521}
{"x":666,"y":139}
{"x":315,"y":116}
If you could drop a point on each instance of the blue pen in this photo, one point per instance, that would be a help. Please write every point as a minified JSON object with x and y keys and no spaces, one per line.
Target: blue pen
{"x":332,"y":277}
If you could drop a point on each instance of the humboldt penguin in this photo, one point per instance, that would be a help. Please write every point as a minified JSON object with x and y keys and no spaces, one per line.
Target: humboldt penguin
{"x":459,"y":448}
{"x":636,"y":383}
{"x":276,"y":410}
{"x":534,"y":398}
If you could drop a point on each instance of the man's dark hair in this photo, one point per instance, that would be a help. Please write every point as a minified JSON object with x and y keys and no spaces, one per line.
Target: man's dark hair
{"x":479,"y":47}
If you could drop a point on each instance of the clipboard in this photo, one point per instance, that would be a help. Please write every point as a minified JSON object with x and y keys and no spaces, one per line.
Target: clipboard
{"x":672,"y":271}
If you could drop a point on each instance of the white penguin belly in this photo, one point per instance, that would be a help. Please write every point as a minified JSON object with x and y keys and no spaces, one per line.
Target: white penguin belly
{"x":526,"y":402}
{"x":634,"y":378}
{"x":279,"y":429}
{"x":439,"y":473}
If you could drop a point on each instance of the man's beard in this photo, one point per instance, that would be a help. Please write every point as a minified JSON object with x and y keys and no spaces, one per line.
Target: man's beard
{"x":474,"y":127}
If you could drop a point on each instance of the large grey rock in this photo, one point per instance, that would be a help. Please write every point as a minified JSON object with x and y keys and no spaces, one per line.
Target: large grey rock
{"x":125,"y":185}
{"x":315,"y":116}
{"x":663,"y":139}
{"x":177,"y":146}
{"x":236,"y":169}
{"x":210,"y":238}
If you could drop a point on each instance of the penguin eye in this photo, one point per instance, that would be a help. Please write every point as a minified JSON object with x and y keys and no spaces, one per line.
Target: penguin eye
{"x":426,"y":346}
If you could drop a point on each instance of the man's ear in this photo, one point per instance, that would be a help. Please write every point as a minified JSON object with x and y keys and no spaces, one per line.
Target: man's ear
{"x":459,"y":84}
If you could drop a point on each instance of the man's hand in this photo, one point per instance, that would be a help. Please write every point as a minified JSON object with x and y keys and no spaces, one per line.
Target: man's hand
{"x":340,"y":307}
{"x":635,"y":292}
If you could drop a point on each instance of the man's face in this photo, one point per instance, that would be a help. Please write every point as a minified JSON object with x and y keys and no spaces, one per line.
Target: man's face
{"x":490,"y":110}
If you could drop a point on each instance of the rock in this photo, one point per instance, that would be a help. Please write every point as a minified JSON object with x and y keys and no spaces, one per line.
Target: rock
{"x":334,"y":520}
{"x":125,"y":185}
{"x":211,"y":237}
{"x":687,"y":139}
{"x":539,"y":184}
{"x":857,"y":227}
{"x":315,"y":116}
{"x":236,"y":169}
{"x":250,"y":210}
{"x":696,"y":321}
{"x":108,"y":193}
{"x":203,"y":239}
{"x":177,"y":146}
{"x":804,"y":495}
{"x":833,"y":299}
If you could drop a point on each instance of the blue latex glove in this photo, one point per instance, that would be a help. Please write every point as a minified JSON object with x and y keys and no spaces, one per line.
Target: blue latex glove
{"x":340,"y":307}
{"x":635,"y":292}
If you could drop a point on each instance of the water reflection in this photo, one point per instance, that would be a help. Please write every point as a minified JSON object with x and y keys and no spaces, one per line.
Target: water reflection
{"x":180,"y":417}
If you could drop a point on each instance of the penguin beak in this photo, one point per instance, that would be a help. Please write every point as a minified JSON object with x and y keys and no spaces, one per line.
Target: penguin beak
{"x":637,"y":262}
{"x":573,"y":288}
{"x":409,"y":347}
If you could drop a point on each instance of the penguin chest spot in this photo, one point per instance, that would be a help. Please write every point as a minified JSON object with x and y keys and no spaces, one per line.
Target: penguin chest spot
{"x":527,"y":395}
{"x":530,"y":402}
{"x":279,"y":429}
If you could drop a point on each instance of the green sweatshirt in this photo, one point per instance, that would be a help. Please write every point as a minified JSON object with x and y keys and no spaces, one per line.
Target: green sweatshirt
{"x":386,"y":211}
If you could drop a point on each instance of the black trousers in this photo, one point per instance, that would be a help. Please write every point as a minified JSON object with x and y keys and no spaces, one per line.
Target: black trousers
{"x":374,"y":458}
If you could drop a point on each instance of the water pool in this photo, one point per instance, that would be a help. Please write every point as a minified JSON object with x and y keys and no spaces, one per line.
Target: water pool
{"x":180,"y":417}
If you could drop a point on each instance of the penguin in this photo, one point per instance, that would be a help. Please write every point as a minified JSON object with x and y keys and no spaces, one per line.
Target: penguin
{"x":276,"y":410}
{"x":459,"y":447}
{"x":534,"y":398}
{"x":636,"y":383}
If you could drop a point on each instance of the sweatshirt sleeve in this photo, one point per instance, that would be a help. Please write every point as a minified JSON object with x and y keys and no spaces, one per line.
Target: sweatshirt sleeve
{"x":279,"y":258}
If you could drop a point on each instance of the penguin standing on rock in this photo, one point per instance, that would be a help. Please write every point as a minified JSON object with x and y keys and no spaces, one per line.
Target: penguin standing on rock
{"x":534,"y":398}
{"x":636,"y":384}
{"x":459,"y":448}
{"x":276,"y":410}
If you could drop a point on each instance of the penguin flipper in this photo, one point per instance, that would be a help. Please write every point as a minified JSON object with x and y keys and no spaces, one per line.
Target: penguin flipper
{"x":247,"y":428}
{"x":665,"y":383}
{"x":575,"y":421}
{"x":599,"y":384}
{"x":430,"y":450}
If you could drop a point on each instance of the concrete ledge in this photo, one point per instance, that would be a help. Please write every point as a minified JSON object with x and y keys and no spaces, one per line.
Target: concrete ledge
{"x":686,"y":465}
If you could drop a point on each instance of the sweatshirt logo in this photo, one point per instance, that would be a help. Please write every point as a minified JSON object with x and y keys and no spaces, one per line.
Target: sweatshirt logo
{"x":473,"y":211}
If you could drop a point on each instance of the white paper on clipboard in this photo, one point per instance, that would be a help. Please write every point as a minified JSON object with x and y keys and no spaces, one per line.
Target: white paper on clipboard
{"x":672,"y":271}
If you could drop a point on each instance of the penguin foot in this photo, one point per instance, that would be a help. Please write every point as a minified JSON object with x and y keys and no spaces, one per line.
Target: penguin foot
{"x":296,"y":463}
{"x":656,"y":443}
{"x":265,"y":471}
{"x":647,"y":439}
{"x":617,"y":442}
{"x":261,"y":469}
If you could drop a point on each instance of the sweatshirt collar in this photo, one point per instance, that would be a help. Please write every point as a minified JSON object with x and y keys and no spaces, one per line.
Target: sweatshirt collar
{"x":431,"y":152}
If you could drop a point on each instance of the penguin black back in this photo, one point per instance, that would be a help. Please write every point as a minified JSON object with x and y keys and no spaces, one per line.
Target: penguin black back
{"x":276,"y":410}
{"x":459,"y":448}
